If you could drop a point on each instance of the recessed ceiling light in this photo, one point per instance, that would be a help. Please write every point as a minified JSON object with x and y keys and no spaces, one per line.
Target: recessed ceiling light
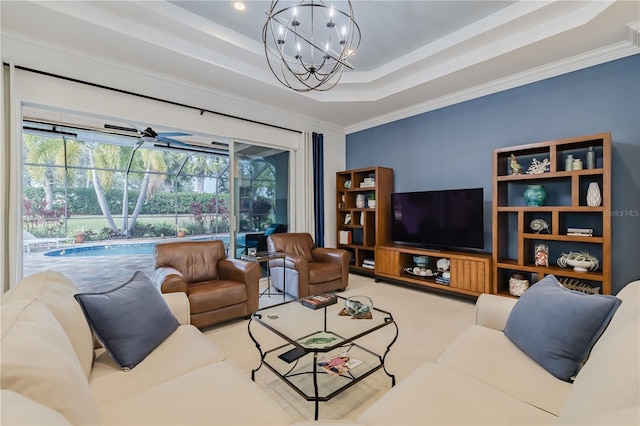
{"x":239,"y":5}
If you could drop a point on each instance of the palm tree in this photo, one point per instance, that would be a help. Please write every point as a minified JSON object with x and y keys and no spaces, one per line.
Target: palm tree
{"x":116,"y":157}
{"x":202,"y":167}
{"x":103,"y":156}
{"x":152,"y":160}
{"x":47,"y":154}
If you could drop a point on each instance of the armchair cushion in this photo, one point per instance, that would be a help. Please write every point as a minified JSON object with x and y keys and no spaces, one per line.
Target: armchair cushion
{"x":130,"y":321}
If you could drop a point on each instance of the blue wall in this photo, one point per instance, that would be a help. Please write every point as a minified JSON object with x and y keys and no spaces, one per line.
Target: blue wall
{"x":452,"y":147}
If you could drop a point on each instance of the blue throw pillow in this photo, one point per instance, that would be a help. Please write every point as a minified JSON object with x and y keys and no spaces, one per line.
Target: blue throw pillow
{"x":557,"y":327}
{"x":130,"y":321}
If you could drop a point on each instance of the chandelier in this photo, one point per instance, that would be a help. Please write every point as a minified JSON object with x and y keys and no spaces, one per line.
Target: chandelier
{"x":307,"y":43}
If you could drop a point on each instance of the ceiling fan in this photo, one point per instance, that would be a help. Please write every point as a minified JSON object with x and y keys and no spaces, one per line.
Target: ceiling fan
{"x":151,"y":136}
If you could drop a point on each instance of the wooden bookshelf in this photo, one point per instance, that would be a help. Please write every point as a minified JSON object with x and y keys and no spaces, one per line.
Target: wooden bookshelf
{"x":565,"y":207}
{"x":368,"y":226}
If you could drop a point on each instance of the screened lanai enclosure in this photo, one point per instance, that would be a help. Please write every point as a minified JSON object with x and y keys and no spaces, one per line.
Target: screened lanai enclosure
{"x":116,"y":186}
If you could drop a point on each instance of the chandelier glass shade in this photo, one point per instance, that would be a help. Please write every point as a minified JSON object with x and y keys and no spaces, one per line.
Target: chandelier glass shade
{"x":307,"y":43}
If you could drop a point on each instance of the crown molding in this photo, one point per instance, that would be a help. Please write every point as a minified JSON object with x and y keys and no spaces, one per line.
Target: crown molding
{"x":596,"y":57}
{"x":38,"y":55}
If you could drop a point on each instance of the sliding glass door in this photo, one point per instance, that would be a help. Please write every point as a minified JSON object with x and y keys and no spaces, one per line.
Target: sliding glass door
{"x":261,"y":194}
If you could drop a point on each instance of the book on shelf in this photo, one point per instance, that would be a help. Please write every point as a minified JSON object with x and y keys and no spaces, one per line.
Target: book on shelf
{"x":340,"y":364}
{"x":367,"y":266}
{"x":581,"y":234}
{"x":580,"y":230}
{"x":371,"y":262}
{"x":441,"y":280}
{"x":367,"y":185}
{"x":346,"y":237}
{"x":318,"y":301}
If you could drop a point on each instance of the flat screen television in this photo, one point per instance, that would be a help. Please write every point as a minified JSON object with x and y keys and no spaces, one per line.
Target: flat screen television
{"x":439,"y":219}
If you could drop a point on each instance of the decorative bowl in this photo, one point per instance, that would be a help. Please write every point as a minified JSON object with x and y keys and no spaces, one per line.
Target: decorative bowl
{"x":358,"y":305}
{"x":582,"y":265}
{"x":443,"y":264}
{"x":421,"y":261}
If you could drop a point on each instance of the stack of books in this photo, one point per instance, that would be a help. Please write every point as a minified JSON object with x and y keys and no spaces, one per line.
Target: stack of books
{"x":585,"y":232}
{"x":369,"y":264}
{"x":444,"y":278}
{"x":319,"y":301}
{"x":368,"y":183}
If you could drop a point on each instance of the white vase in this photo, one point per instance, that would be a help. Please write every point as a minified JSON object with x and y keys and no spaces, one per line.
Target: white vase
{"x":593,"y":195}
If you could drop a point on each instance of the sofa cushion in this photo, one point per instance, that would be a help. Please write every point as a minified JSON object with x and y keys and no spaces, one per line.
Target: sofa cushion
{"x":20,"y":410}
{"x":488,"y":356}
{"x":186,"y":350}
{"x":130,"y":320}
{"x":56,"y":292}
{"x":557,"y":327}
{"x":436,"y":395}
{"x":218,"y":394}
{"x":606,"y":390}
{"x":38,"y":361}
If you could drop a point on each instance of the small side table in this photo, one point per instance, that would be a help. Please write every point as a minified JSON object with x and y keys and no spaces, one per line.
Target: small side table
{"x":265,"y":256}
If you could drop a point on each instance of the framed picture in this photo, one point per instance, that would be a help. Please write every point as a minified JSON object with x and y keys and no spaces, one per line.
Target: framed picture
{"x":541,"y":255}
{"x":347,"y":218}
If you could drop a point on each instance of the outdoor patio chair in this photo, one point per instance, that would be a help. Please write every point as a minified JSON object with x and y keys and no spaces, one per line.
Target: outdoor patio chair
{"x":29,"y":240}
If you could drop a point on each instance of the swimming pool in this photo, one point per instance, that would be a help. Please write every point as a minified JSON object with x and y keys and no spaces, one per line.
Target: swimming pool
{"x":117,"y":249}
{"x":105,"y":250}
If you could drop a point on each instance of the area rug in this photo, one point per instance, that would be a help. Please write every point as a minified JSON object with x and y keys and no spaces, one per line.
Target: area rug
{"x":427,"y":323}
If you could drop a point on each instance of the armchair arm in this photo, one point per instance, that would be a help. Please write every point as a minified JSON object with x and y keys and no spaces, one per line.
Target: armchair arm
{"x":492,"y":311}
{"x":179,"y":306}
{"x":331,"y":255}
{"x":169,"y":280}
{"x":292,"y":261}
{"x":240,"y":271}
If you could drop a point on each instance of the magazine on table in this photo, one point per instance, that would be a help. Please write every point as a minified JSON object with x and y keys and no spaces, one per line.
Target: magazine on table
{"x":340,"y":364}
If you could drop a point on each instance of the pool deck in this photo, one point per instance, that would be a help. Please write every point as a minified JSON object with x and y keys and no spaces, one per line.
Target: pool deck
{"x":95,"y":273}
{"x":92,"y":273}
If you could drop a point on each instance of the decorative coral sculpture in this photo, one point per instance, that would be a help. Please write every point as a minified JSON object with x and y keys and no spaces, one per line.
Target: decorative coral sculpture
{"x":538,"y":167}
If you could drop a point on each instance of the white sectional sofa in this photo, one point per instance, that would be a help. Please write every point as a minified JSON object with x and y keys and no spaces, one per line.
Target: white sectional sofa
{"x":51,"y":374}
{"x":482,"y":378}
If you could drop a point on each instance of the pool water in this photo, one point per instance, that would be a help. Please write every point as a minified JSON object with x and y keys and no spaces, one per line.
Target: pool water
{"x":116,"y":249}
{"x":106,"y":250}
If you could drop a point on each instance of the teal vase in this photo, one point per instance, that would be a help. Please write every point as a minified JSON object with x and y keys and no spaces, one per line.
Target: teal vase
{"x":534,"y":195}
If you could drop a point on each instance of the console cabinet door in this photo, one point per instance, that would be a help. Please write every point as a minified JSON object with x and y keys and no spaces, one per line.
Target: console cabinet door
{"x":469,"y":275}
{"x":387,"y":262}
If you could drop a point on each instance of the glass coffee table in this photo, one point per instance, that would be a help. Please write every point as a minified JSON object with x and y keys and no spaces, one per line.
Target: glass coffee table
{"x":318,"y":352}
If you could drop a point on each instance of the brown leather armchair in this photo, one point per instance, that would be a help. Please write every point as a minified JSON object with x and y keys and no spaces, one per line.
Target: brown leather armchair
{"x":218,"y":289}
{"x":307,"y":269}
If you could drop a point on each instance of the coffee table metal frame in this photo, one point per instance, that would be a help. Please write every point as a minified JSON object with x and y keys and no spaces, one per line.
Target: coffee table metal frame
{"x":265,"y":257}
{"x":269,"y":358}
